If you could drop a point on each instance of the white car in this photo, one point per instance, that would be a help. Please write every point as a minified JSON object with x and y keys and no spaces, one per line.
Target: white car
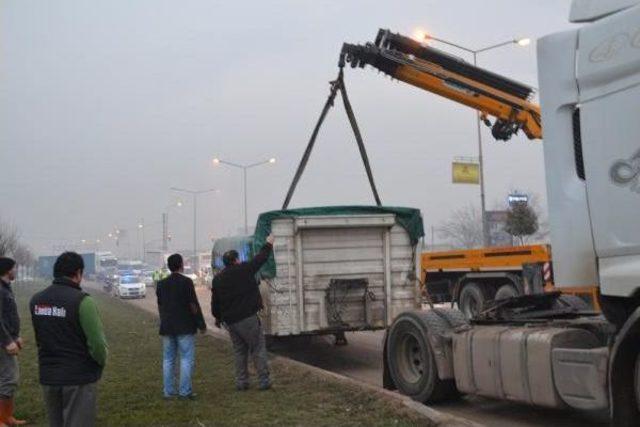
{"x":190,"y":274}
{"x":130,"y":287}
{"x":147,"y":278}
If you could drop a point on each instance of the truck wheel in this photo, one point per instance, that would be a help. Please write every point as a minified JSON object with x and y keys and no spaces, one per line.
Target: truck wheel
{"x":506,"y":291}
{"x":471,"y":300}
{"x":411,"y":361}
{"x":637,"y":382}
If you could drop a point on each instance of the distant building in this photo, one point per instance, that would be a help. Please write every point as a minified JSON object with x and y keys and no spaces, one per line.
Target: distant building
{"x":496,"y":222}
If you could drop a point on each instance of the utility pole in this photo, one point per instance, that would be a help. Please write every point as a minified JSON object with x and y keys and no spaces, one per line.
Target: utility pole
{"x":486,"y":238}
{"x":244,"y":168}
{"x":141,"y":228}
{"x":195,"y":194}
{"x":165,"y":232}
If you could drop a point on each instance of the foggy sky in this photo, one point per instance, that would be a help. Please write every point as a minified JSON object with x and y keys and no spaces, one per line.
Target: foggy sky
{"x":104,"y":105}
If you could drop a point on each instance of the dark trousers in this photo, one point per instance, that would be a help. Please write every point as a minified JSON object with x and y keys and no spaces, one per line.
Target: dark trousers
{"x":9,"y":375}
{"x":247,"y":338}
{"x":71,"y":406}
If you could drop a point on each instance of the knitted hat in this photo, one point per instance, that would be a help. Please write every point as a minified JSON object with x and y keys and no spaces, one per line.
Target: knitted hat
{"x":6,"y":264}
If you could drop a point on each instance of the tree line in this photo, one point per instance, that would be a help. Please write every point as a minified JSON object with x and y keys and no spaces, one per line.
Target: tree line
{"x":463,"y":229}
{"x":12,"y":246}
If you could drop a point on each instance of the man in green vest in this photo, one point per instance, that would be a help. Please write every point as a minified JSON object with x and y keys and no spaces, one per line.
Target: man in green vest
{"x":72,"y":349}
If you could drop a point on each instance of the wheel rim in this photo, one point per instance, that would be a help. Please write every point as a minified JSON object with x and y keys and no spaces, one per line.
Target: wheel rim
{"x":470,"y":307}
{"x":411,"y":361}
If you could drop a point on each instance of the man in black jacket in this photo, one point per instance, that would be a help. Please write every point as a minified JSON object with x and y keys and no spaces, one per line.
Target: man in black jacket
{"x":235,"y":301}
{"x":10,"y":342}
{"x":72,"y":348}
{"x":180,"y":318}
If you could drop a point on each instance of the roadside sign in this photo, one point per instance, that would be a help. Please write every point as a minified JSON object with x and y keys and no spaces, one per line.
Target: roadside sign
{"x":465,"y":172}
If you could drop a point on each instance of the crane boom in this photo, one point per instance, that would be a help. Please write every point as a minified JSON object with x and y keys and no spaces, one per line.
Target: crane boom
{"x":435,"y":71}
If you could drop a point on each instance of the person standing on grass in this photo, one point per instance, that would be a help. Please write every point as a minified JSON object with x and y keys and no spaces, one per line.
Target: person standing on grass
{"x":235,"y":301}
{"x":10,"y":341}
{"x":72,"y":348}
{"x":180,"y":318}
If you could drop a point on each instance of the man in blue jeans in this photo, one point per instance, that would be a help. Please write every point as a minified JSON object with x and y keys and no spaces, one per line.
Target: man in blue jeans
{"x":180,"y":318}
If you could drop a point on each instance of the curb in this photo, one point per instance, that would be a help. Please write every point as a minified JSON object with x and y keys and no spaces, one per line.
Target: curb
{"x":434,"y":417}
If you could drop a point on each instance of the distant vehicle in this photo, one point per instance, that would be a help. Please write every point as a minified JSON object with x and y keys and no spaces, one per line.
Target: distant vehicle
{"x":147,"y":277}
{"x":130,"y":287}
{"x":109,"y":277}
{"x":188,"y":271}
{"x":133,"y":266}
{"x":44,"y":266}
{"x":107,"y":265}
{"x":241,"y":244}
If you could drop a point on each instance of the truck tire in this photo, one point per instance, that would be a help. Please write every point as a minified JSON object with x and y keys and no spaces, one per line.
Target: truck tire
{"x":453,"y":316}
{"x":411,"y":360}
{"x":637,"y":382}
{"x":472,"y":300}
{"x":506,"y":291}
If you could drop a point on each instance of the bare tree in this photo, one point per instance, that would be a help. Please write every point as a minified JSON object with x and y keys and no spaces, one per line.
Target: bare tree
{"x":23,"y":255}
{"x":464,"y":228}
{"x":8,"y":238}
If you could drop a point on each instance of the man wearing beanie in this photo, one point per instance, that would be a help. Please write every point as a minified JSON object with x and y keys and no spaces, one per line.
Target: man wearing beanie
{"x":72,"y":349}
{"x":10,"y":341}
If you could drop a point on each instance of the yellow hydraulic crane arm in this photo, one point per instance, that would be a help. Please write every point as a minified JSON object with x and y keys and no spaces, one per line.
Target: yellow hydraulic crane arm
{"x":493,"y":95}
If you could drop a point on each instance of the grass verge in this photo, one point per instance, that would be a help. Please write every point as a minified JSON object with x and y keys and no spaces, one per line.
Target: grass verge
{"x":130,"y":390}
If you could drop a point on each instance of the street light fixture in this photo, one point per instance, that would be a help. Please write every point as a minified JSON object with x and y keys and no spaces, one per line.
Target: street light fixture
{"x":217,"y":161}
{"x":195,"y":194}
{"x":141,"y":229}
{"x":520,"y":42}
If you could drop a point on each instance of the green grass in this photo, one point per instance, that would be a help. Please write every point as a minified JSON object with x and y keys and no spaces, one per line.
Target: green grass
{"x":130,"y":392}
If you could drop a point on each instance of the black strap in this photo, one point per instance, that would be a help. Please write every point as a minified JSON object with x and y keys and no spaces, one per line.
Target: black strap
{"x":336,"y":85}
{"x":356,"y":133}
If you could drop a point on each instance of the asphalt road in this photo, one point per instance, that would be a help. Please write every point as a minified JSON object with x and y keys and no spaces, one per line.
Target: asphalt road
{"x":362,"y":359}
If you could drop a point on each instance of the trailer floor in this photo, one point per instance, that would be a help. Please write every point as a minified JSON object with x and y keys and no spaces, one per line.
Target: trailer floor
{"x":361,"y":359}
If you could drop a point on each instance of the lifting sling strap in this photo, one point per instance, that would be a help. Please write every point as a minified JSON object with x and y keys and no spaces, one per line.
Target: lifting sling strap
{"x":336,"y":85}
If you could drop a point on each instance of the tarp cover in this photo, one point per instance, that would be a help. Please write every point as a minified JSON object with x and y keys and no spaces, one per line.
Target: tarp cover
{"x":242,"y":244}
{"x":410,"y":219}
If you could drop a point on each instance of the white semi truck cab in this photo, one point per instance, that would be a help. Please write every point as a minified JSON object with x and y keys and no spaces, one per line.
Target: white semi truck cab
{"x":546,"y":349}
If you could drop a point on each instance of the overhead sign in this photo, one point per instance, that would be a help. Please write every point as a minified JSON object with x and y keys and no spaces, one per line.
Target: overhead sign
{"x":465,"y":172}
{"x":518,"y":199}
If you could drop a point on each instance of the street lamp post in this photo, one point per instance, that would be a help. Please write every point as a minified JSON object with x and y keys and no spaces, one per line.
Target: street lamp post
{"x":165,"y":225}
{"x":520,"y":42}
{"x":141,"y":228}
{"x":195,"y":194}
{"x":244,"y":168}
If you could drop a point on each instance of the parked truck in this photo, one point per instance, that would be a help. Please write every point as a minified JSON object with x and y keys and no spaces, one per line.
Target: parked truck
{"x":45,"y":265}
{"x":544,"y":349}
{"x":473,"y":278}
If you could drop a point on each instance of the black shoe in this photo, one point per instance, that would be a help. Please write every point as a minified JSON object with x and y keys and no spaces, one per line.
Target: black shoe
{"x":243,"y":387}
{"x":263,"y":387}
{"x":191,"y":396}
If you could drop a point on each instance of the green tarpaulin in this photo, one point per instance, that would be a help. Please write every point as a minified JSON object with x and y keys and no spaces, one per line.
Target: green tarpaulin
{"x":410,"y":219}
{"x":242,"y":244}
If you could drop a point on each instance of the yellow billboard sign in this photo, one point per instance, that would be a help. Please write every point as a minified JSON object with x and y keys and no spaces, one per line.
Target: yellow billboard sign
{"x":465,"y":172}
